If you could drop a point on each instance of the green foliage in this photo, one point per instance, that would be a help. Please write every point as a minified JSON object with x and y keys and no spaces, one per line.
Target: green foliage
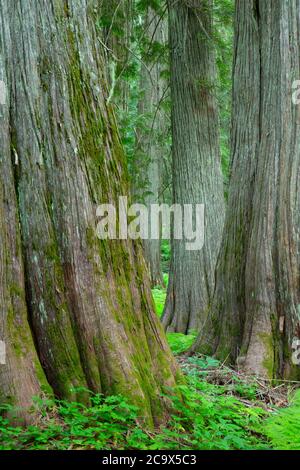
{"x":203,"y":364}
{"x":245,"y":390}
{"x":223,"y":12}
{"x":121,"y":25}
{"x":165,"y":255}
{"x":203,"y":418}
{"x":132,"y":50}
{"x":179,"y":343}
{"x":237,"y":385}
{"x":156,"y":5}
{"x":203,"y":415}
{"x":214,"y":421}
{"x":283,"y":428}
{"x":67,"y":425}
{"x":159,"y":296}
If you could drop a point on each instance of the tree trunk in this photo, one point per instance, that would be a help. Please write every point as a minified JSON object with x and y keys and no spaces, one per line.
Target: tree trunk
{"x":118,"y":15}
{"x":21,"y":377}
{"x":255,"y":312}
{"x":197,"y":177}
{"x":87,"y":300}
{"x":151,"y":144}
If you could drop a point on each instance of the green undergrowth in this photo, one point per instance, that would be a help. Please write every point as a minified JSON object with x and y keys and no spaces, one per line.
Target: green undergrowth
{"x":159,"y":296}
{"x":206,"y":418}
{"x":165,"y":255}
{"x":178,"y":342}
{"x":283,"y":427}
{"x":209,"y":415}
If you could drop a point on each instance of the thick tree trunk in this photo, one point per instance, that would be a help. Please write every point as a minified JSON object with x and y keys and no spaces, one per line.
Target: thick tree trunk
{"x":197,"y":177}
{"x":151,"y":144}
{"x":87,"y":301}
{"x":21,"y":377}
{"x":255,"y":313}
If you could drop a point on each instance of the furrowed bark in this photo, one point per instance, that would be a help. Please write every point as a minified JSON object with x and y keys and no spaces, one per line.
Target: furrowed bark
{"x":21,"y":375}
{"x":255,"y":313}
{"x":197,"y":177}
{"x":151,"y":146}
{"x":88,"y":300}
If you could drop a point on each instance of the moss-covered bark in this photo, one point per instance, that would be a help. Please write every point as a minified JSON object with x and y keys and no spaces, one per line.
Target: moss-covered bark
{"x":88,"y":301}
{"x":255,"y":310}
{"x":21,"y":376}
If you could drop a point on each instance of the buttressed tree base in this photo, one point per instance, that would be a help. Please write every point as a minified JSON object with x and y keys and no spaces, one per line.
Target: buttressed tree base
{"x":75,"y":311}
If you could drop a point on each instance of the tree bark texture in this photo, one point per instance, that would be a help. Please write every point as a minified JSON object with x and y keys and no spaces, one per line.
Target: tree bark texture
{"x":75,"y":311}
{"x":152,"y":136}
{"x":255,"y":313}
{"x":197,"y":177}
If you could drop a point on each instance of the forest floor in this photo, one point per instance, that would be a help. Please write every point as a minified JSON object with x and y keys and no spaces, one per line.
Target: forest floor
{"x":216,"y":408}
{"x":280,"y":400}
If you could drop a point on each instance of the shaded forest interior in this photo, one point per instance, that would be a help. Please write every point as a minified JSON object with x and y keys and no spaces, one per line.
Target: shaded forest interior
{"x":119,"y":330}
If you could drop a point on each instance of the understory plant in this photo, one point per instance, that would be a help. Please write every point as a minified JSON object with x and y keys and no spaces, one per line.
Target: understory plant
{"x":205,"y":417}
